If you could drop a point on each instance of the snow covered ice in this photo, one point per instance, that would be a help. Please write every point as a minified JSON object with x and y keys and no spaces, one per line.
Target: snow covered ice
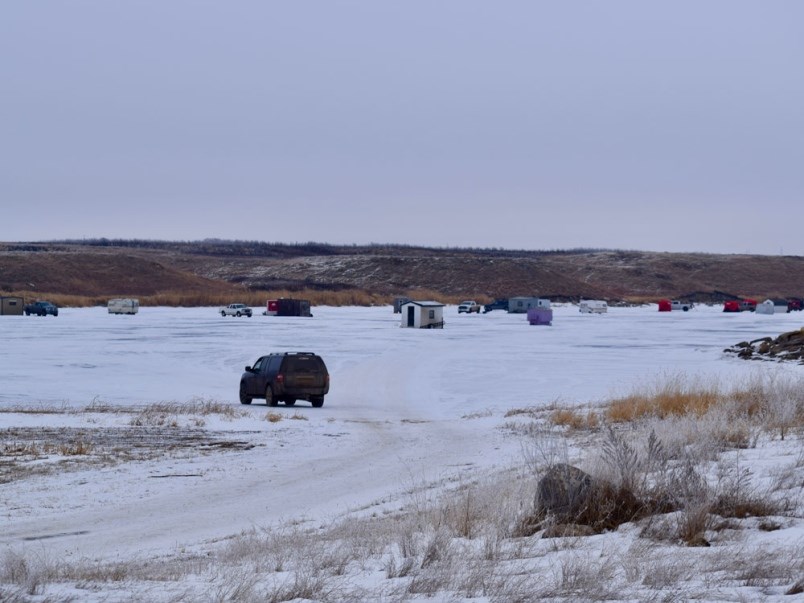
{"x":405,"y":406}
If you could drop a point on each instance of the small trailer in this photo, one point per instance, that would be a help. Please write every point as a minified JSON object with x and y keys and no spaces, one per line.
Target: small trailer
{"x":665,"y":305}
{"x":423,"y":315}
{"x":292,"y":307}
{"x":593,"y":306}
{"x":520,"y":305}
{"x":123,"y":306}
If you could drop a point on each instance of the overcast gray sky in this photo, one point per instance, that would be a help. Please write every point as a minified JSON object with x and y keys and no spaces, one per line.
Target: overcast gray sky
{"x":673,"y":126}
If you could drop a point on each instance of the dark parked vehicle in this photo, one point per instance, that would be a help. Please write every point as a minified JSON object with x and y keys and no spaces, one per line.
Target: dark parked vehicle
{"x":286,"y":377}
{"x":41,"y":308}
{"x":497,"y":304}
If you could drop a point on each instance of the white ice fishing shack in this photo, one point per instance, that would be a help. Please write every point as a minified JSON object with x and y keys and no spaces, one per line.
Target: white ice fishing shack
{"x":772,"y":306}
{"x":123,"y":306}
{"x":422,"y":315}
{"x":593,"y":306}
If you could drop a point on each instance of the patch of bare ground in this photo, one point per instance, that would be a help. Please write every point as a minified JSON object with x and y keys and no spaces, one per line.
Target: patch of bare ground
{"x":153,"y":431}
{"x":29,"y":452}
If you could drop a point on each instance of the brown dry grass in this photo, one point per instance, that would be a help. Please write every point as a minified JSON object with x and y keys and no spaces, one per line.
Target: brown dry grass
{"x":673,"y":397}
{"x":677,"y":397}
{"x":567,"y":417}
{"x":274,"y":417}
{"x":257,"y":299}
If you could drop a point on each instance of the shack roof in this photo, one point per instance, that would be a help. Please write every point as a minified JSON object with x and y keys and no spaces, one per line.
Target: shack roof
{"x":428,"y":304}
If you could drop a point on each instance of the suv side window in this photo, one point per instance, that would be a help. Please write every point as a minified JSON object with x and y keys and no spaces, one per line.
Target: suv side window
{"x":273,"y":367}
{"x":257,"y":365}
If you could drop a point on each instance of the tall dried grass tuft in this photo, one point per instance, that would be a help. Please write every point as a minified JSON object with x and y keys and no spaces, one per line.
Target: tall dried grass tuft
{"x":770,"y":402}
{"x":573,"y":419}
{"x":672,"y":396}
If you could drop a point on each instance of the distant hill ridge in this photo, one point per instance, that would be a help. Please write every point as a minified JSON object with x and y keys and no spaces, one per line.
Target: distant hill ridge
{"x":145,"y":267}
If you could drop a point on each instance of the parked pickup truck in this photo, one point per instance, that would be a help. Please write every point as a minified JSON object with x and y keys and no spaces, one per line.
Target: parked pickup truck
{"x":497,"y":304}
{"x":236,"y":310}
{"x":469,"y":307}
{"x":41,"y":308}
{"x":681,"y":305}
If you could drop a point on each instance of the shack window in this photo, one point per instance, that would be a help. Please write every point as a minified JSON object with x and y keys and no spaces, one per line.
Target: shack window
{"x":432,"y":314}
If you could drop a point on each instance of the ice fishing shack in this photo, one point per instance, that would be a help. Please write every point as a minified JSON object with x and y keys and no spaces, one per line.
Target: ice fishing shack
{"x":11,"y":305}
{"x":423,"y":315}
{"x":287,"y":307}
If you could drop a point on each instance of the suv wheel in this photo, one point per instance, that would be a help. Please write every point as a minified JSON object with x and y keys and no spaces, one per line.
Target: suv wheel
{"x":223,"y":313}
{"x":244,"y":398}
{"x":317,"y":401}
{"x":270,"y":400}
{"x":290,"y":401}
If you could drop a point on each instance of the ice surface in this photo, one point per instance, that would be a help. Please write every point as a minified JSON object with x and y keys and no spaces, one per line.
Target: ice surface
{"x":405,"y":406}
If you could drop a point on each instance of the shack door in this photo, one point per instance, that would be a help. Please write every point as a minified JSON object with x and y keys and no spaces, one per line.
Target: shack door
{"x":411,"y":316}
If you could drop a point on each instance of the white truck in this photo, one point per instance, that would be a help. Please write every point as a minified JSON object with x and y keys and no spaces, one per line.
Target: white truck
{"x":468,"y":307}
{"x":680,"y":305}
{"x":236,"y":310}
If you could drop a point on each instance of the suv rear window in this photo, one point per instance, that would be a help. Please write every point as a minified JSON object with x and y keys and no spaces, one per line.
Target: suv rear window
{"x":304,"y":364}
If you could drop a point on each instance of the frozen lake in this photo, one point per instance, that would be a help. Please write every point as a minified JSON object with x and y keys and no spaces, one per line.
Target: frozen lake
{"x":406,"y":407}
{"x":490,"y":360}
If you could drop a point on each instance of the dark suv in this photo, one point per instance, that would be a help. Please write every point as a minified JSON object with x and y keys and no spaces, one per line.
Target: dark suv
{"x":41,"y":308}
{"x":286,"y":377}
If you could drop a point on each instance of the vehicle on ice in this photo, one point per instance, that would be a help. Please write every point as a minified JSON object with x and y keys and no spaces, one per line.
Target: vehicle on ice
{"x":681,"y":305}
{"x":497,"y":304}
{"x":41,"y":308}
{"x":286,"y":377}
{"x":468,"y":307}
{"x":236,"y":310}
